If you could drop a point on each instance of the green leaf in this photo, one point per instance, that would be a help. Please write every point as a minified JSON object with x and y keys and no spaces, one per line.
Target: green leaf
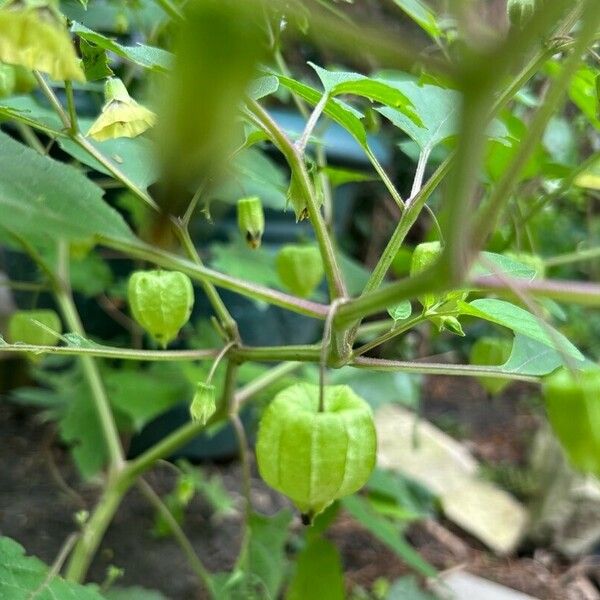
{"x":340,"y":112}
{"x":24,"y":577}
{"x":149,"y":57}
{"x":400,"y":311}
{"x":520,"y":321}
{"x":263,"y":86}
{"x":80,"y":428}
{"x":318,"y":573}
{"x":342,"y":82}
{"x":490,"y":262}
{"x":253,"y":173}
{"x":355,"y":274}
{"x":25,"y":109}
{"x":530,"y":357}
{"x":421,"y":14}
{"x":238,"y":260}
{"x":340,"y":176}
{"x":411,"y":499}
{"x":144,"y":394}
{"x":388,"y":533}
{"x":42,"y":199}
{"x":134,"y":157}
{"x":265,"y":554}
{"x":95,"y":62}
{"x":438,"y":109}
{"x":379,"y":389}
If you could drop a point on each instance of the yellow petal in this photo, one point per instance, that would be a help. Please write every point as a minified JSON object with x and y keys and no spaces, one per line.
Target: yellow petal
{"x":35,"y":43}
{"x":121,"y":119}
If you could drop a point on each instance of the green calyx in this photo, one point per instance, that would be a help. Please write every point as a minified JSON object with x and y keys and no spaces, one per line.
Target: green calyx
{"x":161,"y":302}
{"x":203,"y":405}
{"x":251,"y":220}
{"x":36,"y":327}
{"x":300,"y":269}
{"x":573,"y":408}
{"x":316,"y":457}
{"x":490,"y":352}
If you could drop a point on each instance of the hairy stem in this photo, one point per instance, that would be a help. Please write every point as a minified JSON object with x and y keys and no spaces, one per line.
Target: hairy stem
{"x":295,"y":160}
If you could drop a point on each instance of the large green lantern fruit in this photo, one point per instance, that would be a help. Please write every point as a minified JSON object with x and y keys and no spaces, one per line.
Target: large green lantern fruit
{"x":161,"y":302}
{"x":490,"y":352}
{"x":23,"y":327}
{"x":300,"y":268}
{"x":573,"y":408}
{"x":316,"y":457}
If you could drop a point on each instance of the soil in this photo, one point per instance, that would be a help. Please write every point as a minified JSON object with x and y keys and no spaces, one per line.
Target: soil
{"x":40,"y":492}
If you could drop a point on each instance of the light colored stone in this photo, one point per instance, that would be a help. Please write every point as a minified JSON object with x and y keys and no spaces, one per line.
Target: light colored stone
{"x":460,"y":585}
{"x":487,"y":512}
{"x":419,"y":449}
{"x":566,"y":513}
{"x":422,"y":452}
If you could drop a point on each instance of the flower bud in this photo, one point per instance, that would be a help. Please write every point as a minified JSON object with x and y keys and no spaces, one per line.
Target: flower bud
{"x":23,"y":327}
{"x":33,"y":34}
{"x":520,"y":11}
{"x":161,"y":302}
{"x":300,"y":268}
{"x":203,"y":405}
{"x":251,"y":220}
{"x":121,"y":115}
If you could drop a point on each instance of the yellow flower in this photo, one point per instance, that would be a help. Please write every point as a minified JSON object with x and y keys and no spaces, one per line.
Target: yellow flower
{"x":121,"y":116}
{"x":34,"y":36}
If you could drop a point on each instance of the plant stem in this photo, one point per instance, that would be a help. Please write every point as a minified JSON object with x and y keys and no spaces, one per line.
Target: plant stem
{"x":295,"y":160}
{"x":186,"y":546}
{"x":567,"y":259}
{"x":311,"y":123}
{"x":95,"y":528}
{"x":503,"y":190}
{"x":278,"y":353}
{"x":86,"y":145}
{"x":227,"y":321}
{"x":264,"y":381}
{"x":64,"y":299}
{"x":56,"y":105}
{"x":73,"y":123}
{"x":308,"y":353}
{"x":425,"y":368}
{"x":138,"y":249}
{"x":573,"y":292}
{"x":389,"y":335}
{"x":217,"y":361}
